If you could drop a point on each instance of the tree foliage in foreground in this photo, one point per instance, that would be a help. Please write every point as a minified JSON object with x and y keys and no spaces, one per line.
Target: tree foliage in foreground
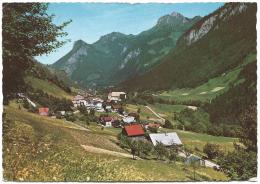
{"x":28,"y":31}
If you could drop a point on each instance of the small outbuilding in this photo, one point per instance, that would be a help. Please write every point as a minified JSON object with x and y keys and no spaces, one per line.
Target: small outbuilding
{"x":106,"y":121}
{"x":44,"y":111}
{"x":194,"y":159}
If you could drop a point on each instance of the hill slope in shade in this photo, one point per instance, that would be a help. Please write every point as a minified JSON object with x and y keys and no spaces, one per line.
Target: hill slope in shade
{"x":214,"y":45}
{"x":116,"y":57}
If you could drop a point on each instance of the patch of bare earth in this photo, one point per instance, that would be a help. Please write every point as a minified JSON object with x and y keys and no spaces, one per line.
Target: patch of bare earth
{"x":93,"y":149}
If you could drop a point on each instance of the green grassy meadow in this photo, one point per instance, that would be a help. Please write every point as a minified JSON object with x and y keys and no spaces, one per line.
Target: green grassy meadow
{"x":47,"y":87}
{"x":37,"y":148}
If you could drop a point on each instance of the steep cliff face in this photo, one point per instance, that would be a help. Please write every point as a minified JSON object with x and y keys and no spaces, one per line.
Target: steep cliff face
{"x":214,"y":21}
{"x":215,"y":44}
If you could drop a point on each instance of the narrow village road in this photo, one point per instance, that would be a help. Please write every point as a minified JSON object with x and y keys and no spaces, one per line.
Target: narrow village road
{"x":156,"y":114}
{"x":93,"y":149}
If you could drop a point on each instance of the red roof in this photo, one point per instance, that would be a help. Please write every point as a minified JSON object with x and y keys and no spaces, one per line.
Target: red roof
{"x":107,"y":118}
{"x":43,"y":111}
{"x":134,"y":130}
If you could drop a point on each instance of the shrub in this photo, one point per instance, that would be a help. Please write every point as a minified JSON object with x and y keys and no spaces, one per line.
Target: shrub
{"x":212,"y":150}
{"x":167,"y":124}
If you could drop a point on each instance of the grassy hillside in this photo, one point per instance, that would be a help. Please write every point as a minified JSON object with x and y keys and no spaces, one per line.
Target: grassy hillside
{"x":47,"y":86}
{"x":196,"y":141}
{"x":211,"y":89}
{"x":39,"y":148}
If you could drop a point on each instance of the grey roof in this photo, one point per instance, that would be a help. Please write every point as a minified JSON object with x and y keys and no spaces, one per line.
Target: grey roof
{"x":167,"y":139}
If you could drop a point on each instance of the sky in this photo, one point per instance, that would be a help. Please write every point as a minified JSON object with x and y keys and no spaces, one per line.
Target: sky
{"x":90,"y":21}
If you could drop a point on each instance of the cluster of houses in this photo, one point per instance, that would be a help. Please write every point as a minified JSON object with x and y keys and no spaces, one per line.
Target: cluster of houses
{"x":87,"y":100}
{"x":128,"y":122}
{"x":91,"y":102}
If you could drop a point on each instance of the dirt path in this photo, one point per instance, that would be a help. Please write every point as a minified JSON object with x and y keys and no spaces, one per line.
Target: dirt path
{"x":93,"y":149}
{"x":157,"y":115}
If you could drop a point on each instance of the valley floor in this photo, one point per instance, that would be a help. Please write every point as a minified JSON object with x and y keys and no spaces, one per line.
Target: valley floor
{"x":37,"y":148}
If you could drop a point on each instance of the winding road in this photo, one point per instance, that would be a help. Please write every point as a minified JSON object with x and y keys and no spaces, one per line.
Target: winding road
{"x":156,"y":114}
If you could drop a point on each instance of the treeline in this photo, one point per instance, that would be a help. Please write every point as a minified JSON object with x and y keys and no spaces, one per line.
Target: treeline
{"x":228,"y":107}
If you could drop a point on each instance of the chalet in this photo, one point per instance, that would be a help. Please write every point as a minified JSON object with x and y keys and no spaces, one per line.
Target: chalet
{"x":194,"y":159}
{"x":44,"y":111}
{"x":128,"y":120}
{"x":168,"y":139}
{"x":78,"y":101}
{"x":135,"y":115}
{"x":108,"y":108}
{"x":116,"y":96}
{"x":135,"y":132}
{"x":106,"y":120}
{"x":116,"y":107}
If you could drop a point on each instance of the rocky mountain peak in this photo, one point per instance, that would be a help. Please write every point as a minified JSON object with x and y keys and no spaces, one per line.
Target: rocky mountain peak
{"x":79,"y":43}
{"x":176,"y":14}
{"x":174,"y":18}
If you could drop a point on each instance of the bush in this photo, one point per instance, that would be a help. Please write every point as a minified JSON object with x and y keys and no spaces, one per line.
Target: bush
{"x":26,"y":104}
{"x":167,"y":124}
{"x":239,"y":164}
{"x":153,"y":129}
{"x":212,"y":150}
{"x":160,"y":150}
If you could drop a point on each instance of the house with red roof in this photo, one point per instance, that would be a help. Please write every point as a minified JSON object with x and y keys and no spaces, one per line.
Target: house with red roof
{"x":106,"y":120}
{"x":44,"y":111}
{"x":134,"y":131}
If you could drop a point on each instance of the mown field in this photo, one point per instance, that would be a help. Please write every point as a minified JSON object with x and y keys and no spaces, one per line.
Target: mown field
{"x":210,"y":89}
{"x":47,"y":87}
{"x":39,"y":148}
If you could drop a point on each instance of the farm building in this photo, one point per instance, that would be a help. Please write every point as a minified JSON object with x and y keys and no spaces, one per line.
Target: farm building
{"x":116,"y":96}
{"x":44,"y":111}
{"x":135,"y":132}
{"x":106,"y":121}
{"x":116,"y":107}
{"x":167,"y":139}
{"x":128,"y":120}
{"x":194,"y":159}
{"x":78,"y":101}
{"x":135,"y":115}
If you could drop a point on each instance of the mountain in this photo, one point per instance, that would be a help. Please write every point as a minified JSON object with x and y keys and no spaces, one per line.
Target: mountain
{"x":215,"y":44}
{"x":116,"y":57}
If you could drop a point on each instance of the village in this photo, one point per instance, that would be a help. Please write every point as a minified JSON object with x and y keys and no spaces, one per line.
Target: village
{"x":109,"y":113}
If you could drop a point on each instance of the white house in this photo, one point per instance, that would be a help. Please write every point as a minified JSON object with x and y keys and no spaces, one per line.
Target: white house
{"x":129,"y":119}
{"x":78,"y":101}
{"x":116,"y":96}
{"x":167,"y":139}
